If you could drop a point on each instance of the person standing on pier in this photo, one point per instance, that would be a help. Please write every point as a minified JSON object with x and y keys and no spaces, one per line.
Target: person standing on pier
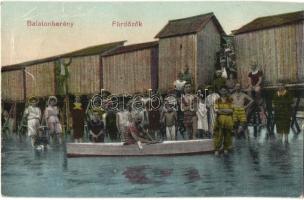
{"x":186,"y":76}
{"x":179,"y":85}
{"x":282,"y":103}
{"x":224,"y":123}
{"x":33,"y":116}
{"x":51,"y":116}
{"x":231,"y":83}
{"x":255,"y":81}
{"x":219,"y":81}
{"x":78,"y":115}
{"x":188,"y":102}
{"x":255,"y":78}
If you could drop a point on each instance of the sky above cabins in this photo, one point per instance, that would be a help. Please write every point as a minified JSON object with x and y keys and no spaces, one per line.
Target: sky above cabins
{"x":97,"y":23}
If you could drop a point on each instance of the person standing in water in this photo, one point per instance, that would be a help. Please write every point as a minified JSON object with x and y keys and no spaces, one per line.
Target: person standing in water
{"x":239,"y":108}
{"x":122,"y":120}
{"x":170,"y":121}
{"x":33,"y":116}
{"x":202,"y":115}
{"x":188,"y":102}
{"x":210,"y":102}
{"x":78,"y":115}
{"x":51,"y":116}
{"x":96,"y":127}
{"x":282,"y":103}
{"x":224,"y":123}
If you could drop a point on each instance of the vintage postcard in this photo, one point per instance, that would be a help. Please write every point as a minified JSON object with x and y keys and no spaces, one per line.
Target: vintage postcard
{"x":152,"y":99}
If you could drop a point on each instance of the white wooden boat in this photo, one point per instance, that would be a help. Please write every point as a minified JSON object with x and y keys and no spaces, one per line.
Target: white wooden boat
{"x":166,"y":148}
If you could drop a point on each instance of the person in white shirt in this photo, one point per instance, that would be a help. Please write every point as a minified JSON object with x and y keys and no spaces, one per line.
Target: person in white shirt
{"x":122,"y":121}
{"x":210,"y":102}
{"x":33,"y":115}
{"x":202,"y":115}
{"x":51,"y":116}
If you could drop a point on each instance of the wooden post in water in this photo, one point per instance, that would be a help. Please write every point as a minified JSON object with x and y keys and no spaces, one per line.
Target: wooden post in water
{"x":294,"y":122}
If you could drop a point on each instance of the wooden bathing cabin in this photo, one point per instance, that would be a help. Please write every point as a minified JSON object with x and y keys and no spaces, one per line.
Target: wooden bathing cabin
{"x":189,"y":42}
{"x":131,"y":69}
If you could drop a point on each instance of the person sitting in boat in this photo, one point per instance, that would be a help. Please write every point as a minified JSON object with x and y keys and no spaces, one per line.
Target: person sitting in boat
{"x":33,"y":116}
{"x":224,"y":122}
{"x":170,"y":121}
{"x":96,"y":127}
{"x":136,"y":133}
{"x":51,"y":116}
{"x":239,"y":109}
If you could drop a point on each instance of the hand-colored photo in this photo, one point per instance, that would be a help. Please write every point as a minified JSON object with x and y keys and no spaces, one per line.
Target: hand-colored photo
{"x":152,"y":99}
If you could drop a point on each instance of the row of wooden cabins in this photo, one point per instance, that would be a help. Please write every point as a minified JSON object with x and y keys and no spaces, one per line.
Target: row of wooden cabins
{"x":275,"y":42}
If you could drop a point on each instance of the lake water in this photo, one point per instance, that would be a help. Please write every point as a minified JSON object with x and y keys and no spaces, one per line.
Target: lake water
{"x":257,"y":167}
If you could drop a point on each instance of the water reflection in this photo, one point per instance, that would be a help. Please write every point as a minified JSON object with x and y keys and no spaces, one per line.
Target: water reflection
{"x":144,"y":174}
{"x":192,"y":175}
{"x":137,"y":175}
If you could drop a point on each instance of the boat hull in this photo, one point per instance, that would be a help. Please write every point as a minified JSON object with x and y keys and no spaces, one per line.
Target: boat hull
{"x":166,"y":148}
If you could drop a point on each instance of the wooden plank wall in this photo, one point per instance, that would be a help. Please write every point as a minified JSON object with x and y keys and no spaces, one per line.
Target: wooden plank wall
{"x":12,"y":85}
{"x":154,"y":69}
{"x":278,"y":51}
{"x":300,"y":50}
{"x":43,"y":83}
{"x":84,"y":75}
{"x":174,"y":54}
{"x":209,"y":43}
{"x":127,"y":72}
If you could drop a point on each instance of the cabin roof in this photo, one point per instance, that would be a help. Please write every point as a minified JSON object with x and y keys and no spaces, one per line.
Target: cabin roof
{"x":92,"y":50}
{"x":188,"y":25}
{"x":132,"y":47}
{"x":270,"y":21}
